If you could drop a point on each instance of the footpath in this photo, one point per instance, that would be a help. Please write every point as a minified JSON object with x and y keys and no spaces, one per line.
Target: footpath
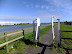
{"x":46,"y":41}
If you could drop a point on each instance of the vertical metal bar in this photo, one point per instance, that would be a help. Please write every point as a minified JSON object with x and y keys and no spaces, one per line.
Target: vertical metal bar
{"x":34,"y":31}
{"x":53,"y":28}
{"x":38,"y":24}
{"x":36,"y":34}
{"x":37,"y":31}
{"x":60,"y":37}
{"x":58,"y":32}
{"x":6,"y":40}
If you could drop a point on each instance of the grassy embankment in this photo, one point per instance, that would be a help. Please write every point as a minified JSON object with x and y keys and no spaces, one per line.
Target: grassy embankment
{"x":21,"y":44}
{"x":67,"y":37}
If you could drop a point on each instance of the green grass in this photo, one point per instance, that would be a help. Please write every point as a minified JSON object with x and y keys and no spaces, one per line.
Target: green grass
{"x":20,"y":45}
{"x":67,"y":42}
{"x":66,"y":27}
{"x":43,"y":31}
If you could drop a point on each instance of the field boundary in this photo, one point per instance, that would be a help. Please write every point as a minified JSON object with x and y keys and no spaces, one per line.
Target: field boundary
{"x":6,"y":39}
{"x":64,"y":38}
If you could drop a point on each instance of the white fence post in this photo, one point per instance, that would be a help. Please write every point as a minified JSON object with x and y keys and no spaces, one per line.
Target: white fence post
{"x":53,"y":27}
{"x":37,"y":31}
{"x":58,"y":32}
{"x":53,"y":30}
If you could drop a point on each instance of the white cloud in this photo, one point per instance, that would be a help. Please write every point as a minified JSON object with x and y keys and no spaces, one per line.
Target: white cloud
{"x":24,"y":2}
{"x":37,"y":6}
{"x":32,"y":7}
{"x":8,"y":22}
{"x":60,"y":3}
{"x":47,"y":7}
{"x":27,"y":6}
{"x":46,"y":15}
{"x":64,"y":5}
{"x":26,"y":19}
{"x":17,"y":17}
{"x":43,"y":6}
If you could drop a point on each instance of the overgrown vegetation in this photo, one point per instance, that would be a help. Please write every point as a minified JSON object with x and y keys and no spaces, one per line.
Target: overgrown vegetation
{"x":66,"y":40}
{"x":20,"y":45}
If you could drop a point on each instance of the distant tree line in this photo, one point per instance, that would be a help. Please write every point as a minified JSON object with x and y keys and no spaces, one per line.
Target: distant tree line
{"x":16,"y":24}
{"x":22,"y":24}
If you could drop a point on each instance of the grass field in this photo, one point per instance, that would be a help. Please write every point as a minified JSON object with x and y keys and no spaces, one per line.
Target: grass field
{"x":20,"y":45}
{"x":67,"y":37}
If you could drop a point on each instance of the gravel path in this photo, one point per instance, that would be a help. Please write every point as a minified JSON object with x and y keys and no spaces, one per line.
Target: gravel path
{"x":44,"y":48}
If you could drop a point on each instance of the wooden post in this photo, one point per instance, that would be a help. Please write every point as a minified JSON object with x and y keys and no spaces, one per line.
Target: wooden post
{"x":36,"y":43}
{"x":34,"y":31}
{"x":60,"y":37}
{"x":58,"y":32}
{"x":23,"y":33}
{"x":6,"y":40}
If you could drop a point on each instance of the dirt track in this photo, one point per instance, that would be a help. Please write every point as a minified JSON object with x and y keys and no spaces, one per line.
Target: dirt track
{"x":44,"y":48}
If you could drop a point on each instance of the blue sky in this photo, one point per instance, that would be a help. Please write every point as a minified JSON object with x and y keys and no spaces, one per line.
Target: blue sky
{"x":28,"y":10}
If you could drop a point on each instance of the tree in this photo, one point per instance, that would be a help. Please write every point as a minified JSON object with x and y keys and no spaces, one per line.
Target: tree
{"x":14,"y":24}
{"x":66,"y":22}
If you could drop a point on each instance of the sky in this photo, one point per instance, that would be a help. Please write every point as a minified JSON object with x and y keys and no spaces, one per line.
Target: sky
{"x":26,"y":11}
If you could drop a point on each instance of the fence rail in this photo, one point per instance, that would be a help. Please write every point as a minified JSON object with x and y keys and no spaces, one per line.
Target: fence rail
{"x":10,"y":41}
{"x":6,"y":39}
{"x":11,"y":34}
{"x":62,"y":37}
{"x":14,"y":33}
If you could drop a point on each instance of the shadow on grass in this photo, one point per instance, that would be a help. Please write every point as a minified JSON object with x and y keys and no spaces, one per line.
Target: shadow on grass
{"x":66,"y":49}
{"x":2,"y":47}
{"x":67,"y":38}
{"x":66,"y":31}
